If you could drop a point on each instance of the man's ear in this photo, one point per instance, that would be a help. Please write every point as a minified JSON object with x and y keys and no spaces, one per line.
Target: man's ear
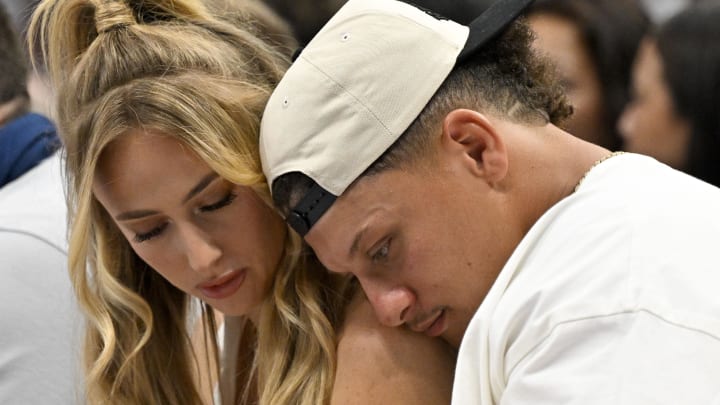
{"x":474,"y":137}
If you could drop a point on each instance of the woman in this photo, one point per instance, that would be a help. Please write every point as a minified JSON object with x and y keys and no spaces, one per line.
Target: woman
{"x":592,"y":44}
{"x":676,"y":90}
{"x":159,"y":106}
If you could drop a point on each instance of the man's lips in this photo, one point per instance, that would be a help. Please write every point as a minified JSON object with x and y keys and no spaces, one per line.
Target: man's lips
{"x":433,"y":325}
{"x":224,"y":285}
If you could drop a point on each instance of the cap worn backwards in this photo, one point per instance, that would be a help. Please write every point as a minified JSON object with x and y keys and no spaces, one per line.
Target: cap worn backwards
{"x":357,"y":86}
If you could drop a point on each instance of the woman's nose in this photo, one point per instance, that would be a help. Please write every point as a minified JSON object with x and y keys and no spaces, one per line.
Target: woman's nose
{"x":202,"y":253}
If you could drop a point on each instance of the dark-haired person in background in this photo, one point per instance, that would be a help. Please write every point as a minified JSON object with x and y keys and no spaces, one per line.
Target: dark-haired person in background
{"x":39,"y":320}
{"x":26,"y":138}
{"x":673,"y":115}
{"x":592,"y":44}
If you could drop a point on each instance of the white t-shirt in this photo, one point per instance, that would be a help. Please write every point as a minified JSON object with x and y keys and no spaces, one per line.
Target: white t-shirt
{"x":613,"y":297}
{"x":39,"y":321}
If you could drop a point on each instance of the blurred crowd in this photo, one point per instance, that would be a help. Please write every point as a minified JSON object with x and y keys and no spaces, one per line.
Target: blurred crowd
{"x":641,"y":74}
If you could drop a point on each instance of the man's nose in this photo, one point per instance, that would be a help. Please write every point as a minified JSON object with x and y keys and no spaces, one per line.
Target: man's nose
{"x":390,"y":303}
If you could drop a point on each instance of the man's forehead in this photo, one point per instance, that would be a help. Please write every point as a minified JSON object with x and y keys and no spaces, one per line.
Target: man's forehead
{"x":359,"y":207}
{"x":344,"y":218}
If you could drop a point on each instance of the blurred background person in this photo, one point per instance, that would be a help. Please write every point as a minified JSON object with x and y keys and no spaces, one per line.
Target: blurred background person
{"x":661,"y":10}
{"x":39,"y":320}
{"x":26,"y":138}
{"x":41,"y":96}
{"x":673,"y":115}
{"x":592,"y":44}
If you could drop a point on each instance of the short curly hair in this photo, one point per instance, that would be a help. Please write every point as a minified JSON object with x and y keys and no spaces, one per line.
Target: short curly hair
{"x":507,"y":79}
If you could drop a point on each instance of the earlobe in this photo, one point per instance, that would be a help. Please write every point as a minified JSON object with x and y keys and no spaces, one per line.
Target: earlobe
{"x":476,"y":139}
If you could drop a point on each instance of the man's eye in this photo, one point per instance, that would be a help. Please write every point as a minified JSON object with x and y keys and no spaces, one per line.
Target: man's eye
{"x":227,"y":200}
{"x":381,"y":254}
{"x":143,"y":237}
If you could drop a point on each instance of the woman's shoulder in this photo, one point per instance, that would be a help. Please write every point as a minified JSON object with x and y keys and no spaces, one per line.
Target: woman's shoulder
{"x":380,"y":364}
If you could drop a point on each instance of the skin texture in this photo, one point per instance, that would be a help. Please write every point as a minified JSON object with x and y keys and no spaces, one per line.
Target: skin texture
{"x":650,"y":123}
{"x":561,"y":40}
{"x":223,"y":228}
{"x":429,"y":265}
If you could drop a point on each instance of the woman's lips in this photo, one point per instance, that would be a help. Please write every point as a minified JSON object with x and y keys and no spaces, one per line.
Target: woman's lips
{"x":224,"y":285}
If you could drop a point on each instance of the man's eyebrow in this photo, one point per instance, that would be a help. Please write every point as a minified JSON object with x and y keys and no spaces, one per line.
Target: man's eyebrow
{"x":200,"y":186}
{"x":356,"y":242}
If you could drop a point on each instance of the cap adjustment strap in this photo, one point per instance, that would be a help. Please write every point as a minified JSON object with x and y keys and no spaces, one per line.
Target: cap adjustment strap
{"x":312,"y":206}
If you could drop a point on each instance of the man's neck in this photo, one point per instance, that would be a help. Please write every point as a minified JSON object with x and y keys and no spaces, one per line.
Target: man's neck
{"x":554,"y":161}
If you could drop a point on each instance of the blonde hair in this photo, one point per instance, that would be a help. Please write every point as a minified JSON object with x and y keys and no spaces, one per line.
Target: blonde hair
{"x":169,"y":66}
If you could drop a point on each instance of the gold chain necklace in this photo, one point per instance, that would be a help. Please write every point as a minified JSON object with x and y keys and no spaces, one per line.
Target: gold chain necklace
{"x":597,"y":162}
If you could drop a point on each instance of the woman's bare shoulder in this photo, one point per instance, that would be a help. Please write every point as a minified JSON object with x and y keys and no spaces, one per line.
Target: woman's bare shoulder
{"x":380,"y":364}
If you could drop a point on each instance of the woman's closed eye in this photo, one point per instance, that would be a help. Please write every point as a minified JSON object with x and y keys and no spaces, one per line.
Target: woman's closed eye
{"x":225,"y":201}
{"x":157,"y":231}
{"x":143,"y":237}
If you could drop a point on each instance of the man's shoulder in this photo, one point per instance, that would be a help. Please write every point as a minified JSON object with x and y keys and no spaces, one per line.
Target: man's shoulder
{"x":634,"y":238}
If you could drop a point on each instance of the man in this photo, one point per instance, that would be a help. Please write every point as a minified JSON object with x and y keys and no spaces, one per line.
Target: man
{"x":422,"y":157}
{"x":26,"y":138}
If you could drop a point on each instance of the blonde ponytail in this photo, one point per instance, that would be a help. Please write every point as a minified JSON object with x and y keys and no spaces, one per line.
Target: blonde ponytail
{"x":77,"y":23}
{"x":111,"y":15}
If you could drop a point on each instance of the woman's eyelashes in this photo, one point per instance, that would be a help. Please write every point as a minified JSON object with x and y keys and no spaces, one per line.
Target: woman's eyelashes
{"x":225,"y":201}
{"x":142,"y":237}
{"x":157,"y":231}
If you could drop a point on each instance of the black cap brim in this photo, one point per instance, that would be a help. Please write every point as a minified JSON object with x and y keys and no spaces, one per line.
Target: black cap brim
{"x":490,"y":24}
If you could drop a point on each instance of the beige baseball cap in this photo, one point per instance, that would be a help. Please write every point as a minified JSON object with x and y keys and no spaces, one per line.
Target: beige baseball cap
{"x":357,"y":86}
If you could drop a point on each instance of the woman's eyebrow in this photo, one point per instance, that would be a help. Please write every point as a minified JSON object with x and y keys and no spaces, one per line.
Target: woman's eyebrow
{"x":200,"y":186}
